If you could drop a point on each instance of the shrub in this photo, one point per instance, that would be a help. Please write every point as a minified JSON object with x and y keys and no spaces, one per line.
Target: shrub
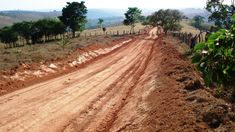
{"x":63,"y":42}
{"x":215,"y":58}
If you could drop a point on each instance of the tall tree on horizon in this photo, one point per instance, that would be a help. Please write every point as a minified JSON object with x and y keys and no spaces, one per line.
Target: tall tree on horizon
{"x":74,"y":16}
{"x":100,"y":22}
{"x":132,"y":16}
{"x":169,"y":19}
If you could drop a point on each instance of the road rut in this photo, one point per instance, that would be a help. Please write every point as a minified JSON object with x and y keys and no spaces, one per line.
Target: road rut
{"x":93,"y":94}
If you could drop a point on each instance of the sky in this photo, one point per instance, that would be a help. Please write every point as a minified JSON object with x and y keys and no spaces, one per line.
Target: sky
{"x":108,"y":4}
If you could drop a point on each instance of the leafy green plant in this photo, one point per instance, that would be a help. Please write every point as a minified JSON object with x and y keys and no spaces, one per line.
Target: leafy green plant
{"x":63,"y":42}
{"x":216,"y":57}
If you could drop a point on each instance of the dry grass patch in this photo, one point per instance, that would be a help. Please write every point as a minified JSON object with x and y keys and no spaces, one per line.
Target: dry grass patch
{"x":109,"y":30}
{"x":11,"y":58}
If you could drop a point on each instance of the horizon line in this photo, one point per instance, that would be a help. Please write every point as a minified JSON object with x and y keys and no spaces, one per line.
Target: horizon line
{"x":52,"y":10}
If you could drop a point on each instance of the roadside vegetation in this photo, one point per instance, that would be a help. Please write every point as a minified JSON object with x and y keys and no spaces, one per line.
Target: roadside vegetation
{"x":215,"y":57}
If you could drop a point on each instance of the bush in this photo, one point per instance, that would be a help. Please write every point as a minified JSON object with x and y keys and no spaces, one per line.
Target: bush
{"x":216,"y":58}
{"x":63,"y":42}
{"x":8,"y":36}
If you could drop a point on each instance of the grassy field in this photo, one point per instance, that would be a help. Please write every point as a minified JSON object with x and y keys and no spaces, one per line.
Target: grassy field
{"x":188,"y":28}
{"x":10,"y":58}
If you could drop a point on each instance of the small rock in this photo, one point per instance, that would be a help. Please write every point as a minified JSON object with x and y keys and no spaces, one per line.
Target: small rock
{"x":74,"y":63}
{"x":52,"y":66}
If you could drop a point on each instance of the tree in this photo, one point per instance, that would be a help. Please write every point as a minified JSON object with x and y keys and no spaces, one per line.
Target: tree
{"x":131,"y":17}
{"x":36,"y":32}
{"x":168,"y":19}
{"x":142,"y":18}
{"x":198,"y":22}
{"x":100,"y":22}
{"x":146,"y":20}
{"x":23,"y":29}
{"x":45,"y":28}
{"x":221,"y":13}
{"x":9,"y":36}
{"x":50,"y":27}
{"x":74,"y":16}
{"x":58,"y":28}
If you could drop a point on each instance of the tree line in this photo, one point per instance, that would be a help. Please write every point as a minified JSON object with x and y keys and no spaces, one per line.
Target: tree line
{"x":30,"y":32}
{"x":73,"y":21}
{"x":169,"y":19}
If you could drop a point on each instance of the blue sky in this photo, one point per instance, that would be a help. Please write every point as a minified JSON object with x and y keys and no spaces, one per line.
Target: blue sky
{"x":108,"y":4}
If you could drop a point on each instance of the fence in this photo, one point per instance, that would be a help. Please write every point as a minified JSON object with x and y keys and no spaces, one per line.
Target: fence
{"x":190,"y":39}
{"x":112,"y":32}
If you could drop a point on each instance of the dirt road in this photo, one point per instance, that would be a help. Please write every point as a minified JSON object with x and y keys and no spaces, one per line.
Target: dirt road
{"x":144,"y":85}
{"x":94,"y":94}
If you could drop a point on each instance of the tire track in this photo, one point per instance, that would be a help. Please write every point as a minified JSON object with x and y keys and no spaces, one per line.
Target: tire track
{"x":104,"y":84}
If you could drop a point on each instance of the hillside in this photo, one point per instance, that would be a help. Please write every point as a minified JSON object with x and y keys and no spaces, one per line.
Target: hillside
{"x":191,"y":12}
{"x":10,"y":17}
{"x":111,"y":16}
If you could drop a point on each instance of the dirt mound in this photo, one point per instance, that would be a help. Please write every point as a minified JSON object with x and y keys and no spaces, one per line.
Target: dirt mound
{"x":157,"y":103}
{"x":217,"y":114}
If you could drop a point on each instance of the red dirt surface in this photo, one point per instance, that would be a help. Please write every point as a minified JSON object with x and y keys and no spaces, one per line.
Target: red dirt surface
{"x":144,"y":85}
{"x":26,"y":75}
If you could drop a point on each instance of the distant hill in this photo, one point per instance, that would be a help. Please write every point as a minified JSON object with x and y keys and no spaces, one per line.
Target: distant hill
{"x":111,"y":16}
{"x":191,"y":12}
{"x":9,"y":17}
{"x":104,"y":13}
